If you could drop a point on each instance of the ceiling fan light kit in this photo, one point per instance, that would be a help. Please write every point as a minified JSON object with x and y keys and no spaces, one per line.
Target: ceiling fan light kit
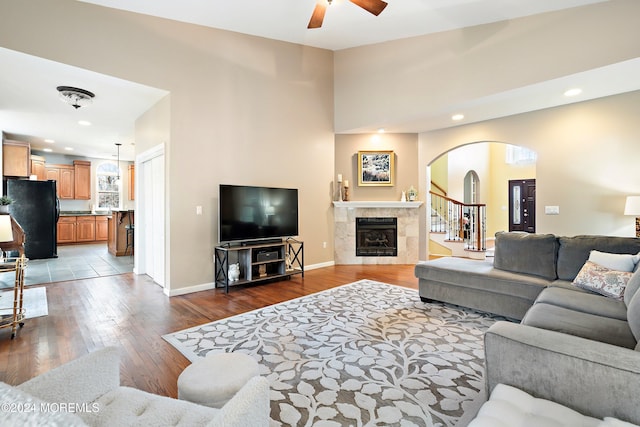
{"x":74,"y":96}
{"x":374,"y":7}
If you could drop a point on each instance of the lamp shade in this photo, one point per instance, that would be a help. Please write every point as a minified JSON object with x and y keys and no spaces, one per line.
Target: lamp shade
{"x":6,"y":235}
{"x":632,"y":206}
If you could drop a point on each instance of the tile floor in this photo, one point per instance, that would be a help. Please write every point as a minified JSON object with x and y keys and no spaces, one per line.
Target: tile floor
{"x":73,"y":262}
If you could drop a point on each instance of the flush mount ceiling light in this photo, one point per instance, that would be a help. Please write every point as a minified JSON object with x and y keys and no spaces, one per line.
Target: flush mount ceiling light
{"x":74,"y":96}
{"x":573,"y":92}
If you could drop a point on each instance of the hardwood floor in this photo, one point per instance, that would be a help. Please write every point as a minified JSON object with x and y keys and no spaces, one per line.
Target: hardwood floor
{"x":132,"y":313}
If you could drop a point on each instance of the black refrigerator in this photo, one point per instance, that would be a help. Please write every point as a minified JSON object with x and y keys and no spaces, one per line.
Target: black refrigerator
{"x":36,"y":208}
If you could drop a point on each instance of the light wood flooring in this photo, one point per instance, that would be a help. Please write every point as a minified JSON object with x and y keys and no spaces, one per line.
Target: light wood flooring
{"x":131,"y":312}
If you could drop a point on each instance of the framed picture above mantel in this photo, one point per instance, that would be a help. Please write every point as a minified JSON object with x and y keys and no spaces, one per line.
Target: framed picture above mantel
{"x":375,"y":168}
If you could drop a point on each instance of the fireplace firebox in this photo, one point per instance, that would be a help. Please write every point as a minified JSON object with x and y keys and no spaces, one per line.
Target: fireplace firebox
{"x":377,"y":236}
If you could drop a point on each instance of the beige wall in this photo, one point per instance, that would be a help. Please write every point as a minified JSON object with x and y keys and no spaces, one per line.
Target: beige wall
{"x":244,"y":110}
{"x":388,"y":83}
{"x":153,"y":128}
{"x":472,"y":157}
{"x":587,"y":160}
{"x":405,"y":148}
{"x":440,"y":175}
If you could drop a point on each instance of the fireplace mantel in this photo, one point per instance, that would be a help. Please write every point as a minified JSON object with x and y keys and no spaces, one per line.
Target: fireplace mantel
{"x":377,"y":204}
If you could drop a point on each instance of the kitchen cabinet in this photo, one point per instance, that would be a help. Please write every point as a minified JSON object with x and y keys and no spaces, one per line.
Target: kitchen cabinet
{"x":85,"y":228}
{"x":66,"y":184}
{"x":102,"y":228}
{"x":53,"y":174}
{"x":82,"y":229}
{"x":132,"y":179}
{"x":82,"y":179}
{"x":72,"y":181}
{"x":38,"y":168}
{"x":66,"y":229}
{"x":64,"y":175}
{"x":16,"y":158}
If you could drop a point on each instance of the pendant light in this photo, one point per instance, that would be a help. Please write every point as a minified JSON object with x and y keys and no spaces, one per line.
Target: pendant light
{"x":118,"y":144}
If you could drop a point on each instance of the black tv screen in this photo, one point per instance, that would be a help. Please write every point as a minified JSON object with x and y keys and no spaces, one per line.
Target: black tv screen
{"x":254,"y":213}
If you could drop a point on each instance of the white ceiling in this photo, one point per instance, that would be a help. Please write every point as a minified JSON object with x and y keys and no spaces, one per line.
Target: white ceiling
{"x":345,"y":24}
{"x":30,"y":108}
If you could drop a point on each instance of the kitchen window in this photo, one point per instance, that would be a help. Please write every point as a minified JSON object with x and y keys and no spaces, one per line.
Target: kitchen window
{"x":108,"y":178}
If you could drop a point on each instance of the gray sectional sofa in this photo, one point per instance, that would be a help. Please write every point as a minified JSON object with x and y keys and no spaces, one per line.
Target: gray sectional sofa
{"x":530,"y":279}
{"x":574,"y":347}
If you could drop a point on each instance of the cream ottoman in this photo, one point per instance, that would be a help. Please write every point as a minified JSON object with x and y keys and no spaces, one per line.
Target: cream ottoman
{"x":214,"y":380}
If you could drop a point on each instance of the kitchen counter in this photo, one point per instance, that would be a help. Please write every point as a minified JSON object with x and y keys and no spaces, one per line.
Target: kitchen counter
{"x":117,"y":240}
{"x":82,"y":213}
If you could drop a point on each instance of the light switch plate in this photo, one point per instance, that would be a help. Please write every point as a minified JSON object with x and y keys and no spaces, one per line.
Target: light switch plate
{"x":552,"y":210}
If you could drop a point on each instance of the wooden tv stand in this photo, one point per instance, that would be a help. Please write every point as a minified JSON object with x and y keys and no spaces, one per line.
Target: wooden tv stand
{"x":259,"y":261}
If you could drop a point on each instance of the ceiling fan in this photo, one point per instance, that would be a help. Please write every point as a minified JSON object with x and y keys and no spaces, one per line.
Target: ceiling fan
{"x":372,"y":6}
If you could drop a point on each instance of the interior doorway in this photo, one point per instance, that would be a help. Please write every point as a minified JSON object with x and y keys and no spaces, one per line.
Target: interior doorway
{"x":471,"y":187}
{"x":522,"y":205}
{"x":150,"y":227}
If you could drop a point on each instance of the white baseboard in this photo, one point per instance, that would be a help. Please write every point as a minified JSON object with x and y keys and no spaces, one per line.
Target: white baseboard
{"x":320,"y":265}
{"x":211,"y":285}
{"x":191,"y":289}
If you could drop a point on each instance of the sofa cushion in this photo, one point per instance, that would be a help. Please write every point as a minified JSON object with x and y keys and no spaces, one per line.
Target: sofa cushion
{"x":510,"y":407}
{"x":586,"y":302}
{"x":577,"y":323}
{"x":600,"y":279}
{"x":632,"y":287}
{"x":633,"y":317}
{"x":573,"y":252}
{"x":614,"y":422}
{"x":129,"y":406}
{"x":527,"y":253}
{"x":22,"y":409}
{"x":480,"y":274}
{"x":620,"y":262}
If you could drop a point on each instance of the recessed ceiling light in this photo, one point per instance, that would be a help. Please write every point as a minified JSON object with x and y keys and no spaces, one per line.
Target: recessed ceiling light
{"x":68,"y":148}
{"x":573,"y":92}
{"x":47,"y":150}
{"x":50,"y":141}
{"x":457,"y":117}
{"x":381,"y":130}
{"x":84,"y":123}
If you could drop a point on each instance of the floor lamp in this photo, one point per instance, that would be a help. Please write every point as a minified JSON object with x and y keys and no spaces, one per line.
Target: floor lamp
{"x":632,"y":207}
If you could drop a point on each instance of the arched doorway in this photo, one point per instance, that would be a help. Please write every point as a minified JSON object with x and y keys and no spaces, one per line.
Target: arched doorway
{"x":479,"y":173}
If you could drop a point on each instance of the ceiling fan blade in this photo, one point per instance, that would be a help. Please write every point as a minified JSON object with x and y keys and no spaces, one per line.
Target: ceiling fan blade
{"x":372,"y":6}
{"x":318,"y":15}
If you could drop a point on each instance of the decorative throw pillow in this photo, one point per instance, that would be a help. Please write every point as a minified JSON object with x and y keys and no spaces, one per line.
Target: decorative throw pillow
{"x":602,"y":280}
{"x":619,"y":262}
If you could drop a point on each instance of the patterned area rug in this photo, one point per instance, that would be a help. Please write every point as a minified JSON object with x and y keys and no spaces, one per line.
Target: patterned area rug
{"x":363,"y":354}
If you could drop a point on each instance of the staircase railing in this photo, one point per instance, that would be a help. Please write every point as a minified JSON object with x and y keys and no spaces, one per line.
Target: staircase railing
{"x":459,"y":221}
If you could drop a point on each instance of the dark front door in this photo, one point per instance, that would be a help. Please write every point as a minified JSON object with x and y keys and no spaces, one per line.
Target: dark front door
{"x":522,"y":205}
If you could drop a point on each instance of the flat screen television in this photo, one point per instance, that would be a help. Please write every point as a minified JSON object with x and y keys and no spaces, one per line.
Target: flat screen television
{"x":248,"y":213}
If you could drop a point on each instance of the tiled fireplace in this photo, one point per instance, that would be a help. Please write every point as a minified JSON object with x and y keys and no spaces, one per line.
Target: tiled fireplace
{"x":389,"y":228}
